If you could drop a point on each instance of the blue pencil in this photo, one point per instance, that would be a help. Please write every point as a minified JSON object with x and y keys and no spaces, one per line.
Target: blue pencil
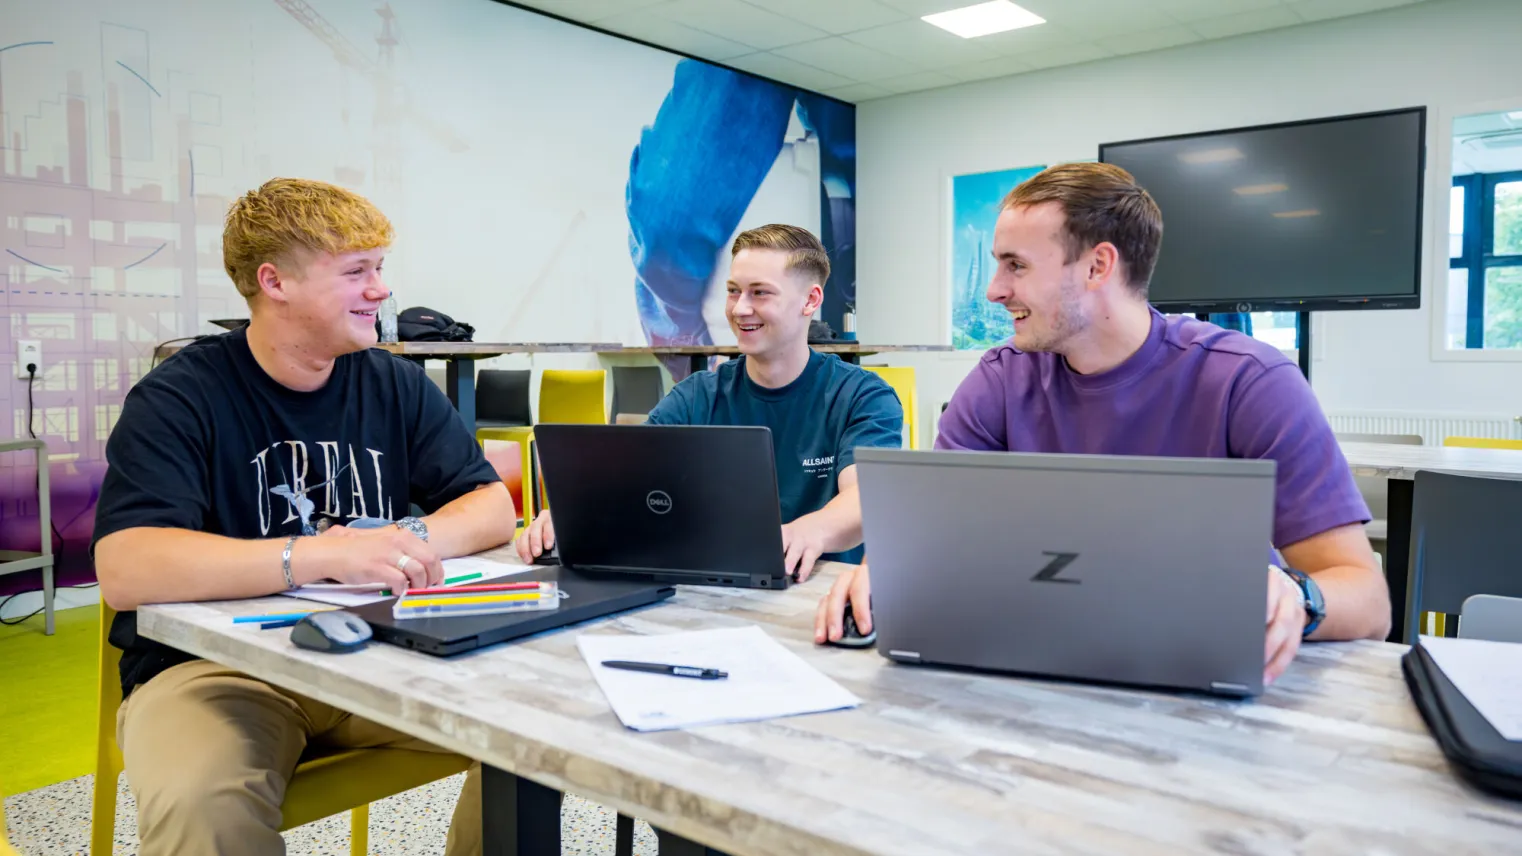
{"x":277,"y":616}
{"x":289,"y":622}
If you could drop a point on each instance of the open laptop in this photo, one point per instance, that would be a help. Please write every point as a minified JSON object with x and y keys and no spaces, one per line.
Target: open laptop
{"x":587,"y":597}
{"x":690,"y":504}
{"x":1145,"y":571}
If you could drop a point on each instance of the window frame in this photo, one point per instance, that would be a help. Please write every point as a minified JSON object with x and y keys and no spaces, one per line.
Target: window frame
{"x":1478,"y":249}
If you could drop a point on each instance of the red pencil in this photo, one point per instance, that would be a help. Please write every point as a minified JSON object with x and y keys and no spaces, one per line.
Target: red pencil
{"x":493,"y":587}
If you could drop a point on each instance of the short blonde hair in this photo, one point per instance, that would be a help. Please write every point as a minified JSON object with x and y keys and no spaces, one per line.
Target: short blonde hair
{"x":804,"y":252}
{"x":286,"y":216}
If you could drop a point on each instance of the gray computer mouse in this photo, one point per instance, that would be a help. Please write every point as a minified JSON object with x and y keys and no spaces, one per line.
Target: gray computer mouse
{"x":334,"y":632}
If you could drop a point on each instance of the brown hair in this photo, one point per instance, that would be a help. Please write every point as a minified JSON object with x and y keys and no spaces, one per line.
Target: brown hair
{"x":804,"y":252}
{"x":1101,"y":202}
{"x":288,"y":215}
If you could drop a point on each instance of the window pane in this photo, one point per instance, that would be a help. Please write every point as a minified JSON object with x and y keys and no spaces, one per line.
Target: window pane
{"x":1457,"y":326}
{"x":1503,"y":307}
{"x":1508,"y":222}
{"x":1275,"y":328}
{"x":1456,"y":222}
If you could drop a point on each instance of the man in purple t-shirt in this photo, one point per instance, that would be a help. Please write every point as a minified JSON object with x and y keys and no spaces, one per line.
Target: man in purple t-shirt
{"x":1093,"y":369}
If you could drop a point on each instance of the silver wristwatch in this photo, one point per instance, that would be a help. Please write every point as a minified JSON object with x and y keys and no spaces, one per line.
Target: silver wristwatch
{"x":414,"y":525}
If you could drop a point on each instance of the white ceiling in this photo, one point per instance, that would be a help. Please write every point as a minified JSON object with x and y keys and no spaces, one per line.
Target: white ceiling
{"x":857,"y":50}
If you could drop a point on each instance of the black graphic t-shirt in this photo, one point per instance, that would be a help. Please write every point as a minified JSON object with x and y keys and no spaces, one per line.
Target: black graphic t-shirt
{"x":204,"y":439}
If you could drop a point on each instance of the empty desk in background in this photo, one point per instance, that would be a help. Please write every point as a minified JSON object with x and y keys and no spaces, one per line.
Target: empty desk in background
{"x":1399,"y":464}
{"x":1333,"y":759}
{"x":851,"y":352}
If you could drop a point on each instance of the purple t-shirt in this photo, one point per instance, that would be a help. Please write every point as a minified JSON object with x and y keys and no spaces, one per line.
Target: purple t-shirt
{"x":1193,"y":390}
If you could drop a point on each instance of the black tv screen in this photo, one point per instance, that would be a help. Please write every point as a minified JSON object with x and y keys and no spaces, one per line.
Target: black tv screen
{"x":1317,"y":215}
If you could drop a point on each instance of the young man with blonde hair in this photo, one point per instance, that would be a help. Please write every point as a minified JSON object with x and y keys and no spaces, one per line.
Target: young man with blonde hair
{"x":1093,"y":369}
{"x":226,"y":461}
{"x":819,"y":409}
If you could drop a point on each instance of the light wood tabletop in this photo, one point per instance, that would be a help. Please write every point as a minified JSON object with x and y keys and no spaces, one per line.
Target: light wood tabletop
{"x":1333,"y":759}
{"x":1391,"y":461}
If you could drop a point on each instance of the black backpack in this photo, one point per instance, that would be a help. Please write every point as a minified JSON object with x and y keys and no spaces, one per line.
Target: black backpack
{"x":421,"y":324}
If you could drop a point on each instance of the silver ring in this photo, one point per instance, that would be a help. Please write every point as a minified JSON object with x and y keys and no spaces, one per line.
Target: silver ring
{"x":401,"y":564}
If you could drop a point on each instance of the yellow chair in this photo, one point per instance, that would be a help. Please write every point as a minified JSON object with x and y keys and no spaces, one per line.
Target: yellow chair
{"x":901,"y":378}
{"x":577,"y":396}
{"x":324,"y":785}
{"x":1482,"y":443}
{"x":5,"y":831}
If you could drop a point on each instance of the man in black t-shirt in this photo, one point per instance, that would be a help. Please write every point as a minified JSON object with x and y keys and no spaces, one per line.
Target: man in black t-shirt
{"x":226,"y":462}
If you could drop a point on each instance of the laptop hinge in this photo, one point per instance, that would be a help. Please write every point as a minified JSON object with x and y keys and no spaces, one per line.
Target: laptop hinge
{"x":1228,"y":687}
{"x":905,"y":655}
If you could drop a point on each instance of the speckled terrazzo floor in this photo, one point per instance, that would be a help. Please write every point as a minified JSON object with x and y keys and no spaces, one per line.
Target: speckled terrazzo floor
{"x":55,"y":821}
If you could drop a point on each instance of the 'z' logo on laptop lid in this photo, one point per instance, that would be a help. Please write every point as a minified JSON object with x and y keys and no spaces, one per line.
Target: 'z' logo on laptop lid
{"x":1049,"y":573}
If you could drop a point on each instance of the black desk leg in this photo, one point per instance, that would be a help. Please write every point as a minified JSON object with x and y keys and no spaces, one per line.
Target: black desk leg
{"x":518,"y":817}
{"x":1398,"y":553}
{"x":460,"y":383}
{"x":623,"y":836}
{"x":697,"y":363}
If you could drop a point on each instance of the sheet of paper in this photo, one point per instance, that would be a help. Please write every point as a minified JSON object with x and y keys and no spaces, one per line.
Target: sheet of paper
{"x":341,"y":595}
{"x":765,"y":679}
{"x":1489,"y":674}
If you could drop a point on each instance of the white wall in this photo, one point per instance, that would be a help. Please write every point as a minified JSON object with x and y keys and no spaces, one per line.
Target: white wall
{"x":1444,"y":54}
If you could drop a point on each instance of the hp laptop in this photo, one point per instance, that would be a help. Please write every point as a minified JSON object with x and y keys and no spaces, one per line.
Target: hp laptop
{"x":1144,"y":571}
{"x":587,"y":597}
{"x":683,"y":504}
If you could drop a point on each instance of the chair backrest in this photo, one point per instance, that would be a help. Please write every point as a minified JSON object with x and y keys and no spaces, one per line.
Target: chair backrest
{"x":901,"y":378}
{"x":574,"y":396}
{"x":1464,"y":541}
{"x":636,"y":389}
{"x":1490,"y":616}
{"x":1393,"y":439}
{"x":502,"y":396}
{"x":1482,"y":443}
{"x":108,"y":756}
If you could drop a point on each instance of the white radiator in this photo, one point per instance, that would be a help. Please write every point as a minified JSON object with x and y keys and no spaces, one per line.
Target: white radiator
{"x":1431,"y":427}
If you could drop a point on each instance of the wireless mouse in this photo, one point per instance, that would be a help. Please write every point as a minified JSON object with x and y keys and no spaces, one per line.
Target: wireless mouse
{"x":333,"y":632}
{"x":852,"y":637}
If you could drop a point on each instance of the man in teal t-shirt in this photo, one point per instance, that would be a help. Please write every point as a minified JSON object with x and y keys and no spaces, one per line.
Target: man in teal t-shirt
{"x":819,"y":409}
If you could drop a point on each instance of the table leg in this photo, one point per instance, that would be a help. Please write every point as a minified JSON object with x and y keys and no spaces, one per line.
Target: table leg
{"x":623,"y":836}
{"x":518,"y":817}
{"x":697,"y":363}
{"x":1398,"y":554}
{"x":460,"y":383}
{"x":670,"y":844}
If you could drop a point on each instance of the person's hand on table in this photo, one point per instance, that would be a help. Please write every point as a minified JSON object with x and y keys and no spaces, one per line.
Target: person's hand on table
{"x":803,"y":542}
{"x":1286,"y":623}
{"x":537,"y":539}
{"x":388,"y":554}
{"x":854,"y":585}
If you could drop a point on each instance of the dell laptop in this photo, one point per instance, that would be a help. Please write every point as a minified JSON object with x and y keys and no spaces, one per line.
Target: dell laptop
{"x":1141,"y":571}
{"x":583,"y":597}
{"x":675,"y":503}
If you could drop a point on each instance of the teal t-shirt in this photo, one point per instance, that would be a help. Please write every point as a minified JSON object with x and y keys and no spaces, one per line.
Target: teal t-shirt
{"x":817,"y":421}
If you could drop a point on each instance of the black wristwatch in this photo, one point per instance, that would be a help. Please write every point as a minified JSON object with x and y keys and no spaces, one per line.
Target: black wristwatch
{"x":415,"y":526}
{"x":1310,"y":598}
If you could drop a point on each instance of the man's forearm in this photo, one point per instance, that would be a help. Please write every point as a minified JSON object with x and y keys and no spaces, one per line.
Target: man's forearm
{"x":152,"y":565}
{"x":479,"y":520}
{"x":1357,"y":603}
{"x":840,"y":519}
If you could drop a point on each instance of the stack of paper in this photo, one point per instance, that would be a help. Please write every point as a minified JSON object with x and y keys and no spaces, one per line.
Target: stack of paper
{"x":465,"y":570}
{"x":1489,"y":674}
{"x":765,"y":679}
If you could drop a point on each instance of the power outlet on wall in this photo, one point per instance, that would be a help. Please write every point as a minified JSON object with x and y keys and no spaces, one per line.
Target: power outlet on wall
{"x":28,"y":351}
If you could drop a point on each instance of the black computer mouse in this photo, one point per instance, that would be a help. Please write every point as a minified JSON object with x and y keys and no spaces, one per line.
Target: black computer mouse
{"x":548,"y":557}
{"x":333,"y":632}
{"x":852,"y":637}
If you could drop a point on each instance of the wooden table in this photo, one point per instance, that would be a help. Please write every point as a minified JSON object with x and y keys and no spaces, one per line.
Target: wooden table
{"x":851,"y":352}
{"x":1333,"y":759}
{"x":1398,"y":465}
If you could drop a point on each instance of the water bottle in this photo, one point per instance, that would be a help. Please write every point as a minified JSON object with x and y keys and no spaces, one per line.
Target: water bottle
{"x":388,"y":319}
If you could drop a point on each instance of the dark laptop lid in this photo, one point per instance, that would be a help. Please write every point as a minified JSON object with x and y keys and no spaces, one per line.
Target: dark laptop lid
{"x":587,"y":597}
{"x":690,"y":503}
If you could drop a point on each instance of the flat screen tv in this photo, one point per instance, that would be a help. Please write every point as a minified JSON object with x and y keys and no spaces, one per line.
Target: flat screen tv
{"x":1303,"y":216}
